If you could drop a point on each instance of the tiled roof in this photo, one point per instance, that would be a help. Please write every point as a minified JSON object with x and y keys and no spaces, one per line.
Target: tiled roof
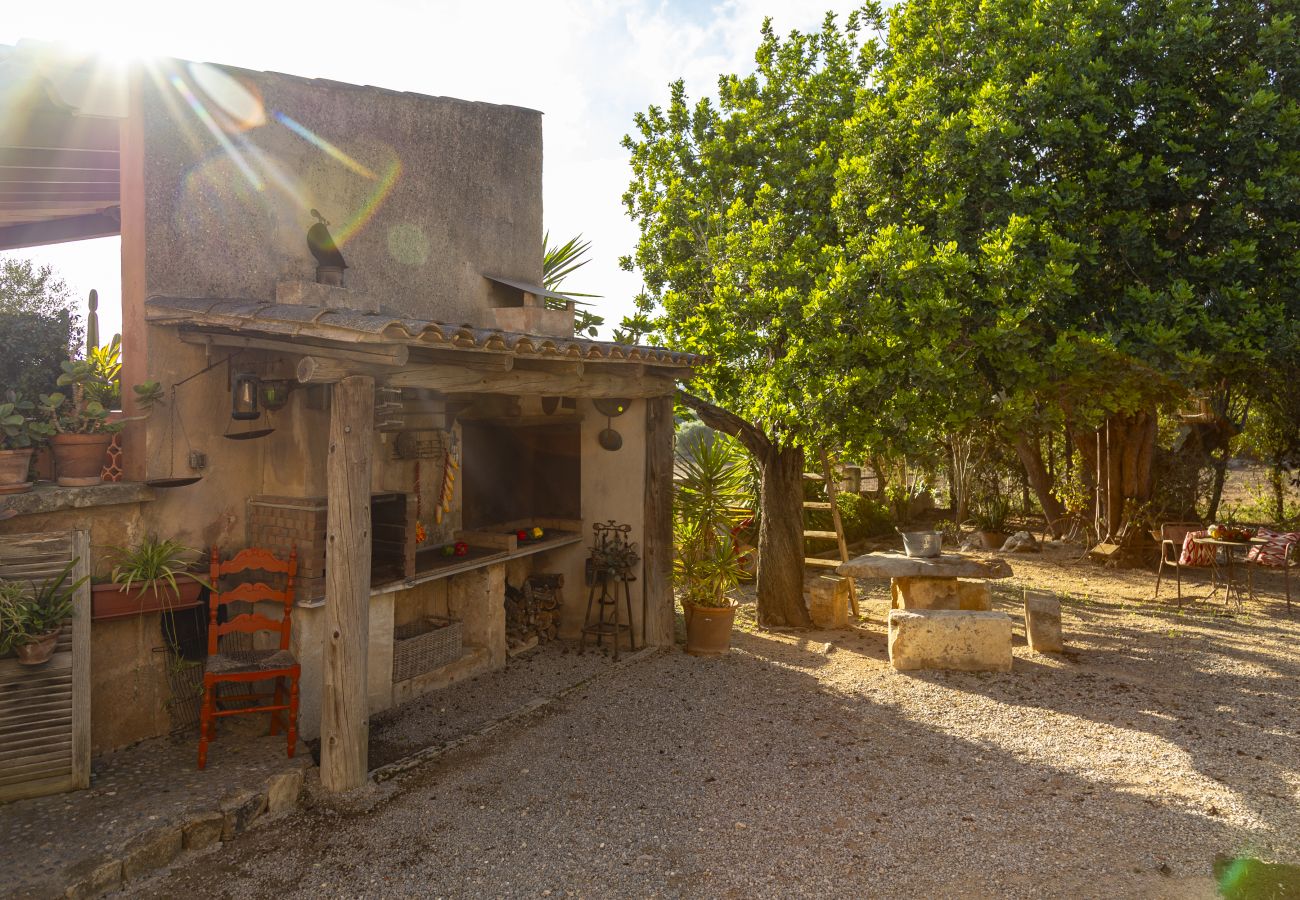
{"x":357,"y":326}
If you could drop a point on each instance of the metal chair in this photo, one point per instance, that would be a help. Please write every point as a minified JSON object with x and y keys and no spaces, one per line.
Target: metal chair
{"x":1281,"y":551}
{"x":1172,"y":537}
{"x":249,"y":666}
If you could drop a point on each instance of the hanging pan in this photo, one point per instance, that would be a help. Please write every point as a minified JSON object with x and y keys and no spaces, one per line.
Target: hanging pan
{"x":172,"y":480}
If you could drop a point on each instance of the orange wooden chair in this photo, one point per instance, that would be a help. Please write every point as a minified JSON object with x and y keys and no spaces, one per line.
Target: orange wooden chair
{"x":248,"y":666}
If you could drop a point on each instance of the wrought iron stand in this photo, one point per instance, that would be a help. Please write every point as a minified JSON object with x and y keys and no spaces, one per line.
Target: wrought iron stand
{"x":610,"y":567}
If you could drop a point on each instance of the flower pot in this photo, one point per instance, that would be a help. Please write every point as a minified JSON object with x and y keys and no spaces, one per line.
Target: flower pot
{"x":708,"y":629}
{"x":37,"y":652}
{"x":13,"y":471}
{"x":993,"y":540}
{"x":79,"y":458}
{"x":109,"y":601}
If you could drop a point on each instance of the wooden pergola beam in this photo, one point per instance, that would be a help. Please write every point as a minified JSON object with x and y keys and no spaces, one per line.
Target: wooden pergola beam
{"x":448,"y":379}
{"x":376,"y":355}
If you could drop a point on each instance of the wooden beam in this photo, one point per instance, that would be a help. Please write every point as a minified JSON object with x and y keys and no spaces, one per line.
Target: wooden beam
{"x":59,"y":231}
{"x":658,"y":615}
{"x":81,"y":661}
{"x":345,"y":708}
{"x":379,"y":355}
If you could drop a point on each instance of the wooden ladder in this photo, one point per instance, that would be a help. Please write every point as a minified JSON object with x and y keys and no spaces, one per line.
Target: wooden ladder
{"x":831,"y":503}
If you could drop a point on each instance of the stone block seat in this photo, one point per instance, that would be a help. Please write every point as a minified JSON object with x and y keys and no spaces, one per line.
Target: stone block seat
{"x":962,"y":640}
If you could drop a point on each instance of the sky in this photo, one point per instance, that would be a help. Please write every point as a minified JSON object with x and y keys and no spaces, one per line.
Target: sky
{"x":588,"y":65}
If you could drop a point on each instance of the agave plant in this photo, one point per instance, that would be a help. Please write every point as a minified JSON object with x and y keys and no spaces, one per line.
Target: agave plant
{"x":28,"y":614}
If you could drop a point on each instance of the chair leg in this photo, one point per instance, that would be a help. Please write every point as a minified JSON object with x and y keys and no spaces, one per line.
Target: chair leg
{"x":293,"y":714}
{"x":1178,"y":579}
{"x":279,"y":701}
{"x":205,"y":724}
{"x":631,"y":622}
{"x":1160,"y":572}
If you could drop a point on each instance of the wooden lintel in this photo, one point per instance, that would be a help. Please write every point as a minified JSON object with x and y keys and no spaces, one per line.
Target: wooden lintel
{"x":483,"y":360}
{"x":391,"y":355}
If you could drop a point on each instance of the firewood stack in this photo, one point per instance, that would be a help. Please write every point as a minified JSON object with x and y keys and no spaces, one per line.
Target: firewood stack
{"x":533,"y":611}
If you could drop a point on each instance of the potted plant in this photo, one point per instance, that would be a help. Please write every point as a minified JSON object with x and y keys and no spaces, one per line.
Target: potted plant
{"x":150,"y":576}
{"x":18,"y":437}
{"x":712,"y":498}
{"x":31,"y":618}
{"x":81,"y":425}
{"x":991,"y":517}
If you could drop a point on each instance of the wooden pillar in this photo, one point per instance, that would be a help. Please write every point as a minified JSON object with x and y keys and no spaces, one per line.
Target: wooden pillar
{"x":345,"y":710}
{"x":135,"y":332}
{"x":656,"y":586}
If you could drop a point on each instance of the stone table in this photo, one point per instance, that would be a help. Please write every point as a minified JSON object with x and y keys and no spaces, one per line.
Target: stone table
{"x":948,"y":581}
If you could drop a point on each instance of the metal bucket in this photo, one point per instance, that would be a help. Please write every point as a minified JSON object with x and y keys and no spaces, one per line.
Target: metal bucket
{"x":922,"y":543}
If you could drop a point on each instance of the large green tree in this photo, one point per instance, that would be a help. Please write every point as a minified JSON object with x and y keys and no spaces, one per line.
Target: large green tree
{"x":1121,"y":180}
{"x":739,"y":249}
{"x":38,"y":327}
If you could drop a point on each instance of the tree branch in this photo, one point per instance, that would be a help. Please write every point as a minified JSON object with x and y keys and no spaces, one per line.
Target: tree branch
{"x":727,"y":422}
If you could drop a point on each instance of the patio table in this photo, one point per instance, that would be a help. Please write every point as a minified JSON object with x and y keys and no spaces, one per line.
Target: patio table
{"x":1227,"y":573}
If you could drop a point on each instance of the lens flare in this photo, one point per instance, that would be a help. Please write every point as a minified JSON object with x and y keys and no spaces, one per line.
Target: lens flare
{"x":320,"y":143}
{"x":203,"y":115}
{"x":240,"y":103}
{"x":371,"y":205}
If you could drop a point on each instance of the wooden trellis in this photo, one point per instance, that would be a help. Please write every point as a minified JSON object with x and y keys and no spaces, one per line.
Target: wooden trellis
{"x":45,"y":710}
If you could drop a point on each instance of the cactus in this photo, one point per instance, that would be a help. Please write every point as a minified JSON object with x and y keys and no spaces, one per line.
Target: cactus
{"x":92,"y":323}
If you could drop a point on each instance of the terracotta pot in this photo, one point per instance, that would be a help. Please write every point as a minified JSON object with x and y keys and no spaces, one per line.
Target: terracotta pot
{"x":993,"y":540}
{"x":13,"y":471}
{"x":79,"y":458}
{"x":108,"y":601}
{"x":708,"y":630}
{"x":37,"y":652}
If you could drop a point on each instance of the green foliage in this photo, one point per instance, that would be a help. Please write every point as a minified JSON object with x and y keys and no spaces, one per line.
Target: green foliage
{"x":154,"y":565}
{"x":18,"y":430}
{"x":712,"y":496}
{"x":992,"y":513}
{"x":29,"y":613}
{"x":558,"y":263}
{"x":739,"y":246}
{"x":1115,"y":186}
{"x":105,"y":385}
{"x":38,"y":327}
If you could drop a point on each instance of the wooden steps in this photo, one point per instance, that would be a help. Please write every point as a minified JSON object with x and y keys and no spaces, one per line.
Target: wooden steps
{"x":819,"y":563}
{"x":827,"y":478}
{"x":822,"y":535}
{"x":816,"y":504}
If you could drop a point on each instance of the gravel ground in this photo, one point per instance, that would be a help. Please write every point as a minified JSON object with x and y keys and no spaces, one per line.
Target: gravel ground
{"x":443,"y":715}
{"x":802,"y":765}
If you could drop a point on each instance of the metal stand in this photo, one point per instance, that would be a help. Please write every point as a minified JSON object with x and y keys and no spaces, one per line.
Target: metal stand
{"x":610,"y":566}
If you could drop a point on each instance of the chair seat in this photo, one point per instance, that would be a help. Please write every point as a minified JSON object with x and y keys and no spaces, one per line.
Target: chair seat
{"x":237,"y":662}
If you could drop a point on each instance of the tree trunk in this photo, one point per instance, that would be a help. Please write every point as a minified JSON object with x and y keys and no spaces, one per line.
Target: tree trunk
{"x":1032,"y":459}
{"x":780,"y":539}
{"x":1275,"y":478}
{"x":1220,"y":464}
{"x":780,"y":515}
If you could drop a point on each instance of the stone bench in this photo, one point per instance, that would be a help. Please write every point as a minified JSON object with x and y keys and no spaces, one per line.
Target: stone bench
{"x":964,"y":640}
{"x":827,"y":599}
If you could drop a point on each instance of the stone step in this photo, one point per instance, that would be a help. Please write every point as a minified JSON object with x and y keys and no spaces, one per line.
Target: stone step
{"x":967,"y":641}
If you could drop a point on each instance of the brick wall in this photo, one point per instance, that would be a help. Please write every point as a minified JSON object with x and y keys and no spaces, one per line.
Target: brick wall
{"x":280,"y":523}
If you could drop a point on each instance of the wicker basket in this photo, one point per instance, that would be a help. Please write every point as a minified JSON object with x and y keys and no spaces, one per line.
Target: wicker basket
{"x":425,"y":645}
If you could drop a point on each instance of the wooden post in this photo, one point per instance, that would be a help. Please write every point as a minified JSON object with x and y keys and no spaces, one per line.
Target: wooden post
{"x":658,"y":613}
{"x":135,"y":287}
{"x":345,"y":710}
{"x":81,"y":662}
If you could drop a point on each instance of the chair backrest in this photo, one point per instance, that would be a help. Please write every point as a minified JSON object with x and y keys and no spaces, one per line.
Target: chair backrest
{"x":1177,"y":531}
{"x":253,"y":559}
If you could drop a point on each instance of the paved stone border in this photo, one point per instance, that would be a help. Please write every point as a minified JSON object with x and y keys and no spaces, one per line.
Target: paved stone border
{"x":151,"y":850}
{"x":419,"y":757}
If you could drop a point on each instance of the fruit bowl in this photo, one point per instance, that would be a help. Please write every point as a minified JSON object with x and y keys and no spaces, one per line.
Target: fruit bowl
{"x":1236,"y":533}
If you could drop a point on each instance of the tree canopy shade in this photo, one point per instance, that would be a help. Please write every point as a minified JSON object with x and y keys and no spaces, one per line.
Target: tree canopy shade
{"x":740,"y":250}
{"x":1120,"y":181}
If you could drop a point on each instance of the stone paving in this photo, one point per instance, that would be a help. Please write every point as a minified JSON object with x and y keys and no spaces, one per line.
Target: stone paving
{"x":145,"y":805}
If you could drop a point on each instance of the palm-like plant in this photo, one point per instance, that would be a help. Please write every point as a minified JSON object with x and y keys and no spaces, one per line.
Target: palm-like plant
{"x":558,"y":263}
{"x":712,"y":497}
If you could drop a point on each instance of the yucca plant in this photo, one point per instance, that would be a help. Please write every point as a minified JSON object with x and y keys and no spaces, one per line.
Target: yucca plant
{"x":30,"y":613}
{"x":713,"y":496}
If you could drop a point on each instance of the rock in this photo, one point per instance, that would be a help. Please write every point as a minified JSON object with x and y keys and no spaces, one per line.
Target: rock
{"x":968,"y":641}
{"x":239,"y":812}
{"x":940,"y":593}
{"x":282,"y":791}
{"x":1022,"y":542}
{"x":204,"y":831}
{"x":149,"y":851}
{"x":972,"y":543}
{"x":827,"y":599}
{"x":93,"y":877}
{"x":1043,"y":622}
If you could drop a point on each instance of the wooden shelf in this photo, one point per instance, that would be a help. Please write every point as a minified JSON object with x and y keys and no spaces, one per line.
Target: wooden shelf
{"x":430,"y":565}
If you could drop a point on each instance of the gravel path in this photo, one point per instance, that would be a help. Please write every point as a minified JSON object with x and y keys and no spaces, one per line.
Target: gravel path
{"x":802,"y":765}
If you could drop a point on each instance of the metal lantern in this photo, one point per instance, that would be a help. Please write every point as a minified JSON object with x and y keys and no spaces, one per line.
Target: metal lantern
{"x":243,"y":397}
{"x":273,"y":394}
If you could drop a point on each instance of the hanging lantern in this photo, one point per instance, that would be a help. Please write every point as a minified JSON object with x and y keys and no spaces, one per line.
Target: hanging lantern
{"x":273,"y":394}
{"x":243,"y":397}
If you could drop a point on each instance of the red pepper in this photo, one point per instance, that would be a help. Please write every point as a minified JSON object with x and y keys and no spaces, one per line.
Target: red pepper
{"x":462,"y":548}
{"x":522,"y":535}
